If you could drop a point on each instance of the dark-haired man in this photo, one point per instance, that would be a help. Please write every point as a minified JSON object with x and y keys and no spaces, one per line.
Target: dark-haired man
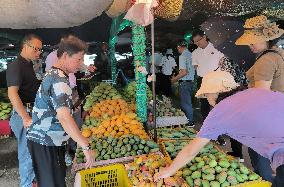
{"x":22,"y":87}
{"x":185,"y":78}
{"x":205,"y":59}
{"x":53,"y":123}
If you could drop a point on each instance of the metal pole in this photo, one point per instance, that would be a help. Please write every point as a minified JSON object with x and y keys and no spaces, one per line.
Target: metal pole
{"x":154,"y":80}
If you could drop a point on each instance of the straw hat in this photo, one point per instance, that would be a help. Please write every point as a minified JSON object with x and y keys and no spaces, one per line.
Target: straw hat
{"x":259,"y":29}
{"x":216,"y":82}
{"x":117,"y":7}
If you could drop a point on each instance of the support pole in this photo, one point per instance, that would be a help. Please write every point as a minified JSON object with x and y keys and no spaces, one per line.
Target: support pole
{"x":154,"y":81}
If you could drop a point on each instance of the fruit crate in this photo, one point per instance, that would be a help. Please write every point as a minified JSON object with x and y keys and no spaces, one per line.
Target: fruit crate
{"x":177,"y":129}
{"x":77,"y":167}
{"x":171,"y":121}
{"x":256,"y":183}
{"x":147,"y":178}
{"x":107,"y":176}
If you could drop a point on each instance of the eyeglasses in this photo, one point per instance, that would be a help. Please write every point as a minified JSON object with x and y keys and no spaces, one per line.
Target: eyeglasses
{"x":36,"y":49}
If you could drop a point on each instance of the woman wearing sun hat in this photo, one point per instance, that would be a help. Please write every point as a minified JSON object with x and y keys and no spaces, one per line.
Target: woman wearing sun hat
{"x":246,"y":116}
{"x":261,"y":35}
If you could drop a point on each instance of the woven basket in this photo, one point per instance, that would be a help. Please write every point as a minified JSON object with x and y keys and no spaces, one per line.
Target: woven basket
{"x":169,"y":9}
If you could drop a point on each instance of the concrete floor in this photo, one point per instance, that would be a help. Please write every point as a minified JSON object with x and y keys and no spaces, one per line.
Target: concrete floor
{"x":9,"y":176}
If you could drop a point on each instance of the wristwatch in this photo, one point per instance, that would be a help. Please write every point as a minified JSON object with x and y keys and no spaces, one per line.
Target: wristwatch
{"x":86,"y":148}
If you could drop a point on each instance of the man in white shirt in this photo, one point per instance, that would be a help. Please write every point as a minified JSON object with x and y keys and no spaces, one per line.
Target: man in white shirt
{"x":205,"y":59}
{"x":157,"y":59}
{"x":168,"y":63}
{"x":157,"y":56}
{"x":185,"y":78}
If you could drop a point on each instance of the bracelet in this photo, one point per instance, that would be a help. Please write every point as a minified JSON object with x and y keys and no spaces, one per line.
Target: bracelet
{"x":86,"y":148}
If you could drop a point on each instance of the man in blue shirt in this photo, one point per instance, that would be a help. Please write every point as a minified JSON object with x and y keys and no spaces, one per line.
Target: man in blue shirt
{"x":185,"y":78}
{"x":52,"y":121}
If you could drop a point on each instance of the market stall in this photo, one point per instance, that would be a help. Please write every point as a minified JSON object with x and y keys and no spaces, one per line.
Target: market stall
{"x":135,"y":134}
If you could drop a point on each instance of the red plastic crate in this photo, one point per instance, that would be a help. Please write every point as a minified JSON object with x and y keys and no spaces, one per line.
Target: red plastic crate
{"x":5,"y":128}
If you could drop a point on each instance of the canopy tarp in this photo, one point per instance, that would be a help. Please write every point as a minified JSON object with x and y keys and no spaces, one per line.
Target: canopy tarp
{"x":31,"y":14}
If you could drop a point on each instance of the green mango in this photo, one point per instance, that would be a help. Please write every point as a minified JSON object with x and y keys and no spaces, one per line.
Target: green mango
{"x":196,"y":175}
{"x":244,"y":170}
{"x":215,"y":184}
{"x":213,"y":163}
{"x":205,"y":183}
{"x":253,"y":177}
{"x":189,"y":181}
{"x":224,"y":163}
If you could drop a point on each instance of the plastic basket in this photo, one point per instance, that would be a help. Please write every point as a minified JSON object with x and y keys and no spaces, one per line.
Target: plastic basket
{"x":77,"y":167}
{"x":107,"y":176}
{"x":5,"y":129}
{"x":255,"y":184}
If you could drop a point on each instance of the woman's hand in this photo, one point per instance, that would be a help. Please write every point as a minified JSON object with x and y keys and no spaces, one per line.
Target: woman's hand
{"x":164,"y":173}
{"x":90,"y":158}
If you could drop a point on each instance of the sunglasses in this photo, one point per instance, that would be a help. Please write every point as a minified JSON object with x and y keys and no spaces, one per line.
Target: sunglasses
{"x":36,"y":49}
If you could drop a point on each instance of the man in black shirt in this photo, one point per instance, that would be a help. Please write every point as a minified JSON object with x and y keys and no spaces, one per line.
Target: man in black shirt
{"x":22,"y":88}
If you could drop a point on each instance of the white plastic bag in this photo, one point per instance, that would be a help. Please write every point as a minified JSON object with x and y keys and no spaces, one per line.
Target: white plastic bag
{"x":141,"y":12}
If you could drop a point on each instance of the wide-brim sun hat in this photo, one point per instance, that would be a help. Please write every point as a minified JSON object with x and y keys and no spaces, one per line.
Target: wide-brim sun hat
{"x":216,"y":82}
{"x":259,"y":29}
{"x":117,"y":7}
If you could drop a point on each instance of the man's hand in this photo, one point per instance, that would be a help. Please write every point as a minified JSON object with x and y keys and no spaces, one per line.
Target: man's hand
{"x":27,"y":121}
{"x":173,"y":80}
{"x":90,"y":158}
{"x":92,"y":68}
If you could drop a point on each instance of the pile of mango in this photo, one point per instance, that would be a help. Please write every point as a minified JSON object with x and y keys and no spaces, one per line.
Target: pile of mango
{"x":216,"y":170}
{"x":129,"y":92}
{"x":174,"y":147}
{"x":111,"y":148}
{"x":109,"y":108}
{"x":143,"y":169}
{"x":175,"y":133}
{"x":211,"y":168}
{"x":101,"y":92}
{"x":119,"y":125}
{"x":165,"y":108}
{"x":5,"y":110}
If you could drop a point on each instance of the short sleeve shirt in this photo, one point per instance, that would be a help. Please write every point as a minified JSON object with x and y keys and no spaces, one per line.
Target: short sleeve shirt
{"x":51,"y":59}
{"x":253,"y":117}
{"x":168,"y":64}
{"x":185,"y":62}
{"x":206,"y":59}
{"x":20,"y":73}
{"x":54,"y":93}
{"x":269,"y":67}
